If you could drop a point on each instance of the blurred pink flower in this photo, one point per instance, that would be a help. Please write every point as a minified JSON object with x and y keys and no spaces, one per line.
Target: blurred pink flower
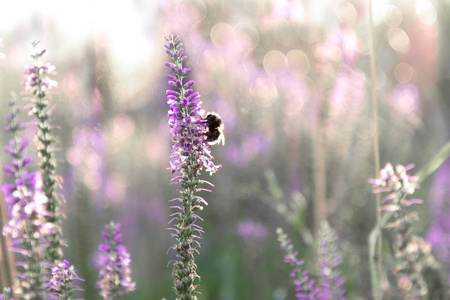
{"x":253,"y":145}
{"x":405,"y":99}
{"x":251,"y":229}
{"x":439,"y":232}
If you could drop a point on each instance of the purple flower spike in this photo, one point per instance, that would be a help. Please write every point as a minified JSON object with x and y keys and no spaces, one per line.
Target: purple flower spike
{"x":61,"y":284}
{"x":305,"y":287}
{"x":330,"y":260}
{"x":114,"y":261}
{"x":38,"y":84}
{"x":36,"y":77}
{"x":27,"y":227}
{"x":439,"y":232}
{"x":192,"y":136}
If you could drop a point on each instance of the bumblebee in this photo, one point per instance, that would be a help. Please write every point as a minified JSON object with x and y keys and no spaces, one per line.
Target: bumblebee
{"x":214,"y":131}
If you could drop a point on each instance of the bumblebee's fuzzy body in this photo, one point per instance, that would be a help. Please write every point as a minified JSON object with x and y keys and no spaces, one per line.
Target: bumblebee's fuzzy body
{"x":214,"y":133}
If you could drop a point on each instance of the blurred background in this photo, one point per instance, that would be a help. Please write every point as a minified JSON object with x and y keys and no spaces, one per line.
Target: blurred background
{"x":291,"y":80}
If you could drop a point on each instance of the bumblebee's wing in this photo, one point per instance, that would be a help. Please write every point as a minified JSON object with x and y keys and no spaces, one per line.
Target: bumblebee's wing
{"x":222,"y":136}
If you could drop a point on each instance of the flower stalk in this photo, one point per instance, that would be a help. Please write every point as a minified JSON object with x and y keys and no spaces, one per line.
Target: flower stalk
{"x":27,"y":228}
{"x":38,"y":83}
{"x":331,"y":280}
{"x":411,"y":252}
{"x":306,"y":288}
{"x":190,"y":154}
{"x":114,"y":279}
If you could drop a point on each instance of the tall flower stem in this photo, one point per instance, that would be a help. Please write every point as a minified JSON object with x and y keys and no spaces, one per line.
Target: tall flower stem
{"x":190,"y":154}
{"x":38,"y":83}
{"x":375,"y":273}
{"x":26,"y":227}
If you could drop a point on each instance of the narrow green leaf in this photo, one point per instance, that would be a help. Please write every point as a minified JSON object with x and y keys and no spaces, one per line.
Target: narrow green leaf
{"x":434,"y":163}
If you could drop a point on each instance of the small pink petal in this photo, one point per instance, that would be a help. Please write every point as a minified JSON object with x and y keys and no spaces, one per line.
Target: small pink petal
{"x":389,"y":207}
{"x":389,"y":197}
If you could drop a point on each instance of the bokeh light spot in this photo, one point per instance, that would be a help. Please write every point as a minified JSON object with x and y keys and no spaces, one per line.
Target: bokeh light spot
{"x":403,"y":72}
{"x":298,"y":62}
{"x":328,"y":53}
{"x":248,"y":33}
{"x":122,"y":127}
{"x":115,"y":188}
{"x":392,"y":16}
{"x":398,"y":40}
{"x":92,"y":180}
{"x":378,"y":10}
{"x":221,"y":33}
{"x":274,"y":62}
{"x":154,"y":149}
{"x":265,"y":92}
{"x":346,"y":12}
{"x":92,"y":177}
{"x":365,"y":129}
{"x":426,"y":12}
{"x":405,"y":98}
{"x":200,"y":8}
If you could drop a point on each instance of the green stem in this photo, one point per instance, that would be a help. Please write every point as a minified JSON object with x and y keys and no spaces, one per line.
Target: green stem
{"x":375,"y":269}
